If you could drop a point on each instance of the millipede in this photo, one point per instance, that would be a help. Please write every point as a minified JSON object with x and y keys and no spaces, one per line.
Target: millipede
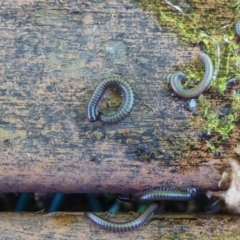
{"x":171,"y":194}
{"x":107,"y":225}
{"x":125,"y":197}
{"x":127,"y":100}
{"x":177,"y":77}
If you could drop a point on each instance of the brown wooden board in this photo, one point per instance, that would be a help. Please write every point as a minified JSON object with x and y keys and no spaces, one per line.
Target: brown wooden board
{"x":53,"y":55}
{"x":75,"y":226}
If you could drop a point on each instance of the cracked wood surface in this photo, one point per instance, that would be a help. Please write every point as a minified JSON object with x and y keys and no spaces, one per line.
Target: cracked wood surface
{"x":53,"y":55}
{"x":75,"y":226}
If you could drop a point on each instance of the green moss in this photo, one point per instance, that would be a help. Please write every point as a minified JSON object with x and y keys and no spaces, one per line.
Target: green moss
{"x":236,"y":104}
{"x":205,"y":105}
{"x":219,"y":125}
{"x":212,"y":147}
{"x":216,"y":34}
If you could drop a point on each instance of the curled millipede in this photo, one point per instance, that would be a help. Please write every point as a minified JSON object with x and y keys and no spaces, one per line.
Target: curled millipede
{"x":127,"y":100}
{"x":177,"y":77}
{"x":171,"y":194}
{"x":123,"y":227}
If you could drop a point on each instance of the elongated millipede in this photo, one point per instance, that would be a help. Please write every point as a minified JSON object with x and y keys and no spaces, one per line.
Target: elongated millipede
{"x":127,"y":100}
{"x":177,"y":77}
{"x":123,"y":227}
{"x":171,"y":194}
{"x":125,"y":197}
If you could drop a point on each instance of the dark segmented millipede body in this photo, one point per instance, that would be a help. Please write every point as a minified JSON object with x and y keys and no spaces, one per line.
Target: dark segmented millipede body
{"x":177,"y":77}
{"x":123,"y":227}
{"x":171,"y":194}
{"x":127,"y":100}
{"x":125,"y":197}
{"x":237,"y":27}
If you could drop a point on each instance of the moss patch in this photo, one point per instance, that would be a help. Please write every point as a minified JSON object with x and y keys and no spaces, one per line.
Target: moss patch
{"x":211,"y":26}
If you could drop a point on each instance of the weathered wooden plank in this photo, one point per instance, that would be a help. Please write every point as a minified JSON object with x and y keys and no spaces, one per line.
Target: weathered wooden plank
{"x":53,"y":55}
{"x":75,"y":226}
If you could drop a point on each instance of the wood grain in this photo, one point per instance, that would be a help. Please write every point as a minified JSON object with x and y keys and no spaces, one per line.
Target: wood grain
{"x":75,"y":226}
{"x":53,"y":55}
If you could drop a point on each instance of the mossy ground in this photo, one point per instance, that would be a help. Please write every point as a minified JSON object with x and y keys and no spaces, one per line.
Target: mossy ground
{"x":210,"y":25}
